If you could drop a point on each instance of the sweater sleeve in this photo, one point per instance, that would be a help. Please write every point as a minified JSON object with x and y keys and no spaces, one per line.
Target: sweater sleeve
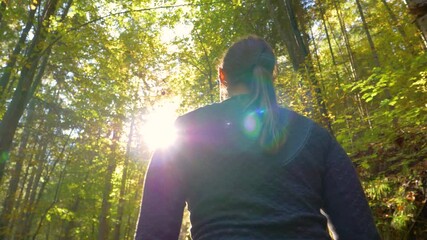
{"x":163,"y":200}
{"x":344,"y":199}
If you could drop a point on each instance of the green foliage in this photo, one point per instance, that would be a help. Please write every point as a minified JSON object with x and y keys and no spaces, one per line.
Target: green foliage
{"x":61,"y":213}
{"x":113,"y":61}
{"x":394,"y":204}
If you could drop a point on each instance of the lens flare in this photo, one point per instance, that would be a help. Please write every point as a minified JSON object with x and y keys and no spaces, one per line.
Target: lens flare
{"x":252,"y":124}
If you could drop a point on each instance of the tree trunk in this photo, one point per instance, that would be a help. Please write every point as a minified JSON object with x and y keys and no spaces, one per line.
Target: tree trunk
{"x":317,"y":57}
{"x":9,"y":201}
{"x":19,"y":202}
{"x":56,"y":197}
{"x":37,"y":186}
{"x":22,"y":94}
{"x":328,"y":38}
{"x":104,"y":229}
{"x":394,"y":20}
{"x":130,"y":228}
{"x":284,"y":30}
{"x":3,"y":5}
{"x":375,"y":57}
{"x":71,"y":224}
{"x":285,"y":33}
{"x":297,"y":49}
{"x":368,"y":35}
{"x":25,"y":204}
{"x":10,"y":65}
{"x":28,"y":215}
{"x":120,"y":209}
{"x":13,"y":185}
{"x":305,"y":60}
{"x":418,"y":8}
{"x":209,"y":73}
{"x":353,"y":65}
{"x":363,"y":112}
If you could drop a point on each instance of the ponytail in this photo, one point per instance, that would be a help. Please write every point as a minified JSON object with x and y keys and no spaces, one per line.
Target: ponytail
{"x":251,"y":61}
{"x":263,"y":94}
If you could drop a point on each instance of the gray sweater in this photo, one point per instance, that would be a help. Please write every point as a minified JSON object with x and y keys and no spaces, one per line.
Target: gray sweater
{"x":236,"y":191}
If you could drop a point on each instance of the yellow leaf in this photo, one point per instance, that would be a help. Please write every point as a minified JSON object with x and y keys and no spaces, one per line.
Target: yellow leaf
{"x":34,"y":4}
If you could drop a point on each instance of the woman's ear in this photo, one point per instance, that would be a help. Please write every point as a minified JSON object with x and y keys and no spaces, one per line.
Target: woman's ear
{"x":223,"y":91}
{"x":221,"y":75}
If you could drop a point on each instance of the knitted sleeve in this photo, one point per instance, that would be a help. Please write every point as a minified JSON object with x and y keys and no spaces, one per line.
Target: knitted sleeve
{"x":163,"y":200}
{"x":344,"y":199}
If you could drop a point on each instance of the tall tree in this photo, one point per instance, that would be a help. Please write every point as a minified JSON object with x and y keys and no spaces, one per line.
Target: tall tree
{"x":120,"y":209}
{"x":418,"y":8}
{"x":26,"y":84}
{"x":368,"y":35}
{"x":104,"y":224}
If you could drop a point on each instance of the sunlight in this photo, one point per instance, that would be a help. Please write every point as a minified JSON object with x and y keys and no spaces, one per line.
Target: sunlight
{"x":159,"y":130}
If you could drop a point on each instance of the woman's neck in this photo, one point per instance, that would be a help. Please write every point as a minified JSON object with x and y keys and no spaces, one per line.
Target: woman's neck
{"x":238,"y":89}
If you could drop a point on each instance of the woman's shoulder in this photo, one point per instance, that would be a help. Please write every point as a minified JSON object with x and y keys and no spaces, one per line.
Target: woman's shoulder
{"x":198,"y":116}
{"x":300,"y":121}
{"x":208,"y":114}
{"x":304,"y":133}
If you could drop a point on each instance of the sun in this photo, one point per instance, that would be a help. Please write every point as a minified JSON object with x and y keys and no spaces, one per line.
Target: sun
{"x":159,"y":130}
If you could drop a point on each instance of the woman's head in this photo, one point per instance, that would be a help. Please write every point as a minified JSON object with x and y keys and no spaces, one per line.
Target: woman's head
{"x":247,"y":61}
{"x":248,"y":67}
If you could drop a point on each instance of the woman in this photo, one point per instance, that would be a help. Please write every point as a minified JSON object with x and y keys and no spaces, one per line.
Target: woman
{"x":249,"y":169}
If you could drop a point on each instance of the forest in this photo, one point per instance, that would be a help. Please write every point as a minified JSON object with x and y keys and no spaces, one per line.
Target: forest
{"x":87,"y":88}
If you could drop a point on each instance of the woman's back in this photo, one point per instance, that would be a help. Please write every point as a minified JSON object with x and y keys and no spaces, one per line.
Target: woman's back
{"x":249,"y":169}
{"x":235,"y":190}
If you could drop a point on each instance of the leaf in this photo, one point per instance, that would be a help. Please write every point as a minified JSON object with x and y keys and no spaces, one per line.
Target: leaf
{"x":392,"y":102}
{"x":420,"y":82}
{"x":237,"y":2}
